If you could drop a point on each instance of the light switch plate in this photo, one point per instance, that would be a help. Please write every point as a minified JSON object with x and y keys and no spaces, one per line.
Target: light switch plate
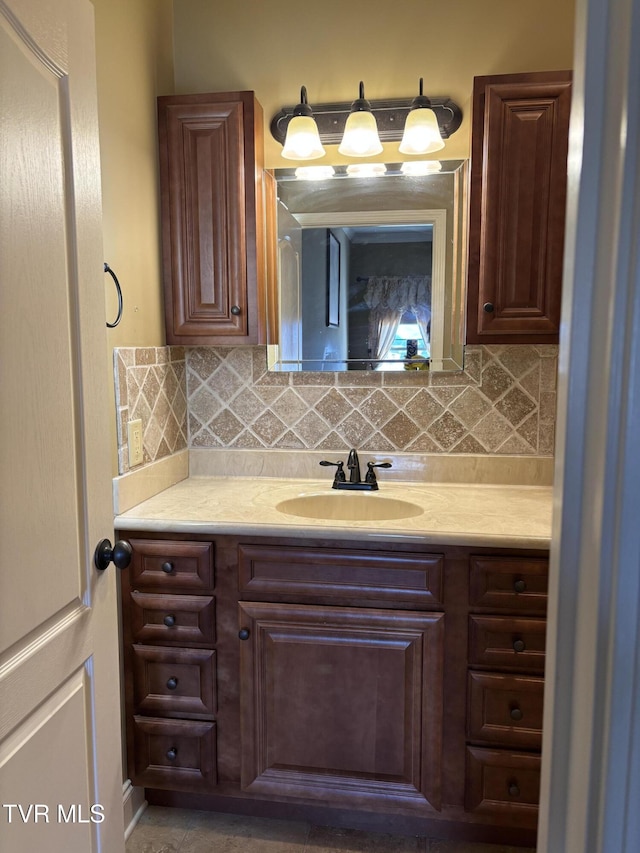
{"x":136,"y":454}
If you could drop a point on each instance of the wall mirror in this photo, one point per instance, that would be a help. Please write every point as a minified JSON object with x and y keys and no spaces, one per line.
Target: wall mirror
{"x":371,"y":269}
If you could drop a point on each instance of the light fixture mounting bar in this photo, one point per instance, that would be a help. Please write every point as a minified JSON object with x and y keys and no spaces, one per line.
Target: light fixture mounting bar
{"x":390,"y":116}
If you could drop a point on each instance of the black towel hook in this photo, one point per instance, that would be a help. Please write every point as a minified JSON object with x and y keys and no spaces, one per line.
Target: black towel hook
{"x":108,"y":269}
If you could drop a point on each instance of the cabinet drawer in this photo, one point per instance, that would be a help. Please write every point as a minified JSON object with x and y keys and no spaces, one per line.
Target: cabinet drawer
{"x":500,"y":782}
{"x":167,"y":565}
{"x":511,"y":642}
{"x":355,"y":577}
{"x":176,"y":754}
{"x":516,"y":584}
{"x":173,"y":620}
{"x":174,"y":682}
{"x":505,"y":709}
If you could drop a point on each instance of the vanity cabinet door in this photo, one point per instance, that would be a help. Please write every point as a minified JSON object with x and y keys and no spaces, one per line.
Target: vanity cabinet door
{"x":341,"y":705}
{"x":211,"y":167}
{"x":519,"y":145}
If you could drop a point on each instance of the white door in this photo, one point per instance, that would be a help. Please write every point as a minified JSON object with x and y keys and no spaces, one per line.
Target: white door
{"x":60,"y":749}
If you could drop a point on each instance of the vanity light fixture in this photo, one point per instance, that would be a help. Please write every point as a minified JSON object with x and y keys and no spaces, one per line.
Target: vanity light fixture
{"x":303,"y":140}
{"x":421,"y":131}
{"x":388,"y":116}
{"x":361,"y":130}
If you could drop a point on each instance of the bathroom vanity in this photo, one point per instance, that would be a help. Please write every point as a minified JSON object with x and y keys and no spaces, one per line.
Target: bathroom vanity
{"x":383,"y":674}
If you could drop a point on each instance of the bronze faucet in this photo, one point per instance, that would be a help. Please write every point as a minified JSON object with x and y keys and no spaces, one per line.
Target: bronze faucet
{"x":370,"y":483}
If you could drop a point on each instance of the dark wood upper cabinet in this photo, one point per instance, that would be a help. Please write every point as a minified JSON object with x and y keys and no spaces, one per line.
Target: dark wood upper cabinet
{"x":520,"y":132}
{"x":211,"y":182}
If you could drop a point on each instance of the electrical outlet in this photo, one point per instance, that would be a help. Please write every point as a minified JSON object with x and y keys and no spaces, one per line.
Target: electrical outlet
{"x":136,"y":455}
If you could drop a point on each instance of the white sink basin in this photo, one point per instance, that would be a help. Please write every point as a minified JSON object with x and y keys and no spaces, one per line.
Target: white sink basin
{"x":349,"y":506}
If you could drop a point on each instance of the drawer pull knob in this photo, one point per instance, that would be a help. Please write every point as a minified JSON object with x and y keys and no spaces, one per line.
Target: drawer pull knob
{"x":514,"y":790}
{"x":167,"y":567}
{"x":236,"y":310}
{"x":172,"y":683}
{"x":172,"y":753}
{"x":169,"y":620}
{"x":488,"y":307}
{"x":516,"y":714}
{"x":520,"y":585}
{"x":519,"y":645}
{"x":243,"y":633}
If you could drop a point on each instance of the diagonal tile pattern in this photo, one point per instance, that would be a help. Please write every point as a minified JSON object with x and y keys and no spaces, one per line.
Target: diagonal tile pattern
{"x":150,"y":384}
{"x":504,"y":402}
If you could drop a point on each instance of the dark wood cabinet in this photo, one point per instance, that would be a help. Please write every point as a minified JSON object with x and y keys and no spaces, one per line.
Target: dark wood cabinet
{"x":170,"y":664}
{"x":520,"y":133}
{"x":374,"y":686}
{"x":211,"y":183}
{"x":507,"y":634}
{"x":342,"y":704}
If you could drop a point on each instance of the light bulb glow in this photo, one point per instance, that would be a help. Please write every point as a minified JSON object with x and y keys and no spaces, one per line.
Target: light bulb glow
{"x":302,"y":141}
{"x":366,"y":170}
{"x":421,"y":167}
{"x":421,"y":133}
{"x":314,"y":173}
{"x":360,"y":137}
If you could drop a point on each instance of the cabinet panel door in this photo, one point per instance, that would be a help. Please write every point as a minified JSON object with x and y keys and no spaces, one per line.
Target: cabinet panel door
{"x":211,"y":191}
{"x":518,"y":192}
{"x":342,"y":704}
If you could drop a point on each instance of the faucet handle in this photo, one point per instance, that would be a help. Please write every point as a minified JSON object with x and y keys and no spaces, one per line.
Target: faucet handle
{"x":371,"y":474}
{"x":340,"y":475}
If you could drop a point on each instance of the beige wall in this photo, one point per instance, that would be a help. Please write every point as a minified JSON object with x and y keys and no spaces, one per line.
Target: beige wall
{"x":134,"y":49}
{"x":275,"y":46}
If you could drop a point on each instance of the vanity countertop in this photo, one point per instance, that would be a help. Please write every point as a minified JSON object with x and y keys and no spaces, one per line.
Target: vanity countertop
{"x":452,"y":513}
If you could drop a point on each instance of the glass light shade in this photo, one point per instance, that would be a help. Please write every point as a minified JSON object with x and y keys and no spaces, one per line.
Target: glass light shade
{"x":314,"y":173}
{"x":302,"y":141}
{"x":421,"y":167}
{"x":421,"y":133}
{"x":360,"y":137}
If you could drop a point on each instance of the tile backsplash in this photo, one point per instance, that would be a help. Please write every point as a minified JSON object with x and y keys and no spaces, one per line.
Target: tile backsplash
{"x":223,"y":397}
{"x":150,"y":384}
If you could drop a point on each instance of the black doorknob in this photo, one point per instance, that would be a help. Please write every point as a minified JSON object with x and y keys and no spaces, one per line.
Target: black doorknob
{"x":119,"y":554}
{"x":172,"y":753}
{"x":243,"y":633}
{"x":172,"y":683}
{"x":519,"y":585}
{"x":519,"y":645}
{"x":488,"y":307}
{"x":235,"y":310}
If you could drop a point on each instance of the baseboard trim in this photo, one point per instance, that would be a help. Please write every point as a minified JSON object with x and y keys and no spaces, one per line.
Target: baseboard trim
{"x":133,"y":806}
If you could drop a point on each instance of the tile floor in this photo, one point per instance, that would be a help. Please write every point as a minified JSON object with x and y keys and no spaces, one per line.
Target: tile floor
{"x":180,"y":831}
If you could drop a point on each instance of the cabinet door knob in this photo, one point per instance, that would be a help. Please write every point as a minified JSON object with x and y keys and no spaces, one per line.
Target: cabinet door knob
{"x":172,"y":683}
{"x":172,"y":753}
{"x":514,"y":789}
{"x":519,"y":585}
{"x":167,"y":567}
{"x":516,"y":714}
{"x":243,"y":633}
{"x":488,"y":307}
{"x":519,"y":645}
{"x":235,"y":310}
{"x":169,"y":620}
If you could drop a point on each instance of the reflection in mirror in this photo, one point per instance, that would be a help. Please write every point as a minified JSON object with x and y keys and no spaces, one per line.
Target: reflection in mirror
{"x":371,"y":270}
